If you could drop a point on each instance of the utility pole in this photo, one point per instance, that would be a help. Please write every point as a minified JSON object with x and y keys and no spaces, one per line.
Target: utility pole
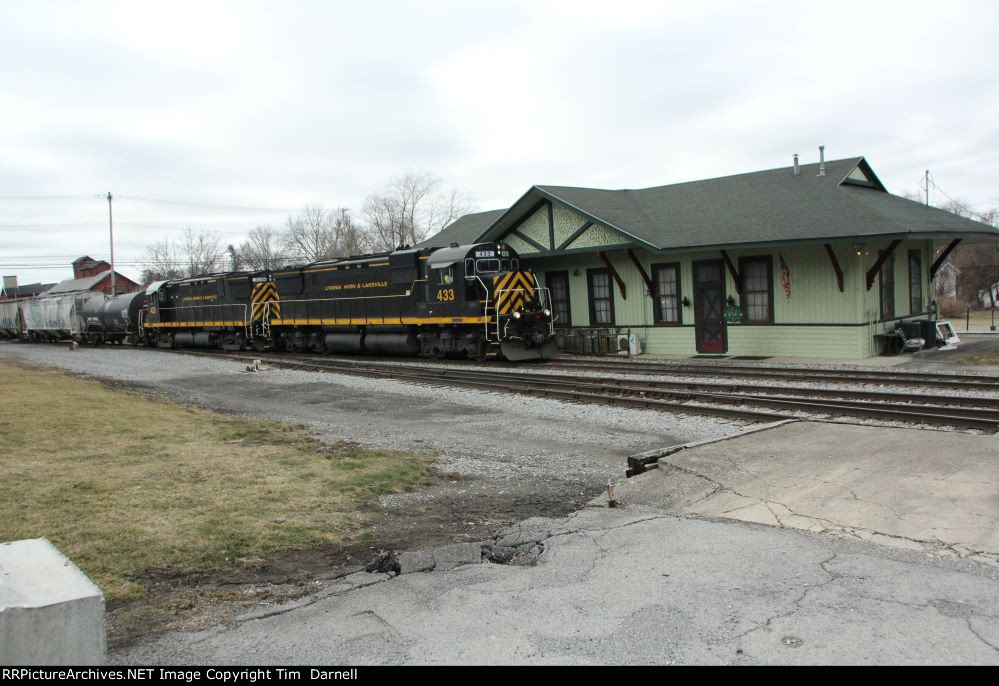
{"x":111,"y":231}
{"x":926,"y":182}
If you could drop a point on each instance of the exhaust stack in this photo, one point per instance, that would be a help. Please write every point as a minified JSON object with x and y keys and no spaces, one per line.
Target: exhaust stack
{"x":822,"y":160}
{"x":796,"y":169}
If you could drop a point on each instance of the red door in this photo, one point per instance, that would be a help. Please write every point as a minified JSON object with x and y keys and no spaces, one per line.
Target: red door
{"x":709,"y":306}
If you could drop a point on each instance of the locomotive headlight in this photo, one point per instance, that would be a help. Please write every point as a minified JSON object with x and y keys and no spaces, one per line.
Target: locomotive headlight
{"x":548,"y":312}
{"x":516,"y":315}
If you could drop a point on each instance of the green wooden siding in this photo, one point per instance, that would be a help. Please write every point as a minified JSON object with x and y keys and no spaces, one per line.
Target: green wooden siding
{"x":816,"y":321}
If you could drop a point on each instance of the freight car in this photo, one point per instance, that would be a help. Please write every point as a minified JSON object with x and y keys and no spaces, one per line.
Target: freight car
{"x":471,"y":300}
{"x":11,"y":323}
{"x":111,"y":319}
{"x":81,"y":317}
{"x":52,"y":318}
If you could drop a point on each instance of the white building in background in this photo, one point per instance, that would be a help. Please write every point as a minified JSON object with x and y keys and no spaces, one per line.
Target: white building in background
{"x":945,"y":282}
{"x":986,"y":301}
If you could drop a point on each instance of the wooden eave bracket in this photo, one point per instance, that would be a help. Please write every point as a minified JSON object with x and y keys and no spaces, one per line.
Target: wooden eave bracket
{"x":641,"y":270}
{"x":617,"y":277}
{"x":733,"y":271}
{"x":943,"y":258}
{"x":872,"y":273}
{"x":836,"y":267}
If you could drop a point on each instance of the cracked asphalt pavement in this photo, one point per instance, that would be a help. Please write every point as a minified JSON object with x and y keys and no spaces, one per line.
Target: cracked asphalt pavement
{"x":624,"y":586}
{"x":919,"y":489}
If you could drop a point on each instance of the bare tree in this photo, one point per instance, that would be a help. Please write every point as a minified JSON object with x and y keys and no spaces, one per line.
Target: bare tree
{"x":411,"y":208}
{"x":193,"y":254}
{"x":203,"y":251}
{"x":978,"y":262}
{"x":261,"y":249}
{"x":161,"y":262}
{"x":351,"y":238}
{"x":320,"y":234}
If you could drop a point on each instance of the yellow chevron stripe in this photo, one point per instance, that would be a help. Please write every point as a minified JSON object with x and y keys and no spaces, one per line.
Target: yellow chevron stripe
{"x":265,"y":292}
{"x":520,"y":286}
{"x":500,"y":282}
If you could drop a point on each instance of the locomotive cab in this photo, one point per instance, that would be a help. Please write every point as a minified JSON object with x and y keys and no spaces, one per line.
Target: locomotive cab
{"x":486,"y":278}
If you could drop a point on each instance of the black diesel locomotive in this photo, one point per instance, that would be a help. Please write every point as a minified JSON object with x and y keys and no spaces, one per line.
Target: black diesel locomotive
{"x":471,"y":300}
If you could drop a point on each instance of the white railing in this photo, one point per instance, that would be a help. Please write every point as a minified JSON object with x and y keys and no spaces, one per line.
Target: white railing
{"x":541,"y":294}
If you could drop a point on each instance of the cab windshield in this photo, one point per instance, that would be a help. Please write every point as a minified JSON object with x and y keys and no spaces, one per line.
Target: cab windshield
{"x":491,"y":266}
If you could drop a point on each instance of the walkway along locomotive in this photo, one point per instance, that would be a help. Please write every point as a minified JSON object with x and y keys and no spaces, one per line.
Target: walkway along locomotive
{"x":470,"y":300}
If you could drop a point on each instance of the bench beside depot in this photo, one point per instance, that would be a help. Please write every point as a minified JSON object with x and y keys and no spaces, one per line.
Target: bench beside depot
{"x":50,"y":612}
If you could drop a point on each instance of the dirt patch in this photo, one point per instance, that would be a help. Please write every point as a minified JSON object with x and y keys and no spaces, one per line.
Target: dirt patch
{"x":437,"y":516}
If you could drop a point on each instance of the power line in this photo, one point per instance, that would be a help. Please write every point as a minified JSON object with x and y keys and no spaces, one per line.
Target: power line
{"x":32,"y":226}
{"x":924,"y":184}
{"x":49,"y":197}
{"x":211,"y":206}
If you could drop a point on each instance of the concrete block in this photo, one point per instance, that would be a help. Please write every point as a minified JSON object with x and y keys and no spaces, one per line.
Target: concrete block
{"x":50,"y":612}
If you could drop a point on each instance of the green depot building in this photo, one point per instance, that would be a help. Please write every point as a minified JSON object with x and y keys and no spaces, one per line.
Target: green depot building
{"x":815,"y":260}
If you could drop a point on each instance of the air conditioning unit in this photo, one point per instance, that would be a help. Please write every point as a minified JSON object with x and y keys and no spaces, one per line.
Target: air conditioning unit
{"x":628,"y":344}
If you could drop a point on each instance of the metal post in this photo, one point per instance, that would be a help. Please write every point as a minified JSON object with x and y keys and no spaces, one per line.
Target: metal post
{"x":927,"y":182}
{"x":967,"y":321}
{"x":111,"y":231}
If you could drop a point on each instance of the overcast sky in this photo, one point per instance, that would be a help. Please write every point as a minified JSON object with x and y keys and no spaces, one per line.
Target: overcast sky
{"x":274,"y":105}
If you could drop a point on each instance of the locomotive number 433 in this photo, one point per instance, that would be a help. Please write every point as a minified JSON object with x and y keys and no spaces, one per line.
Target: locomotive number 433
{"x":445,"y":294}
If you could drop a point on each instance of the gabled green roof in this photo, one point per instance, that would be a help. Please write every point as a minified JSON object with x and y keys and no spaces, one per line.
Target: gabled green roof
{"x":773,"y":206}
{"x":462,"y":231}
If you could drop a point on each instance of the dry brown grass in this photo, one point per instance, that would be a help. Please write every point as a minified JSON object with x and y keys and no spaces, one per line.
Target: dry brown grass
{"x":978,"y":318}
{"x":126,"y":485}
{"x":989,"y":357}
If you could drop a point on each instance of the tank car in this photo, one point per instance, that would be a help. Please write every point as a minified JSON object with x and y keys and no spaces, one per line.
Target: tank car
{"x":107,"y":319}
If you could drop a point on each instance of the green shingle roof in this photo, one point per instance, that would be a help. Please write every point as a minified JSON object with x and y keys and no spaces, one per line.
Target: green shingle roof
{"x":462,"y":231}
{"x":759,"y":207}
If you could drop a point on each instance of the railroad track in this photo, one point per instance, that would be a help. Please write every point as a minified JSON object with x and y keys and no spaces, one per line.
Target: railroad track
{"x":726,"y":400}
{"x":809,"y":374}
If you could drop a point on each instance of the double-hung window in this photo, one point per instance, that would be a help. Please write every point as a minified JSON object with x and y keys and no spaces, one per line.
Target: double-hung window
{"x":887,"y":278}
{"x":558,"y":286}
{"x":915,"y":282}
{"x":601,"y":297}
{"x":757,"y":275}
{"x":666,"y":293}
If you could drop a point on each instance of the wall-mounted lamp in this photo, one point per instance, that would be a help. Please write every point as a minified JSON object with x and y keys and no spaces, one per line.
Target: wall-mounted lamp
{"x":859,"y":248}
{"x":686,"y":301}
{"x":576,"y":272}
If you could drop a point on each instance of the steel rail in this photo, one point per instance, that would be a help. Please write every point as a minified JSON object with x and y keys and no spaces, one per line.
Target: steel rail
{"x":591,"y":389}
{"x":967,"y":381}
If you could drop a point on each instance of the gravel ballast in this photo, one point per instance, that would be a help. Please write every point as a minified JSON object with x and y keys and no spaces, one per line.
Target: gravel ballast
{"x":531,"y":450}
